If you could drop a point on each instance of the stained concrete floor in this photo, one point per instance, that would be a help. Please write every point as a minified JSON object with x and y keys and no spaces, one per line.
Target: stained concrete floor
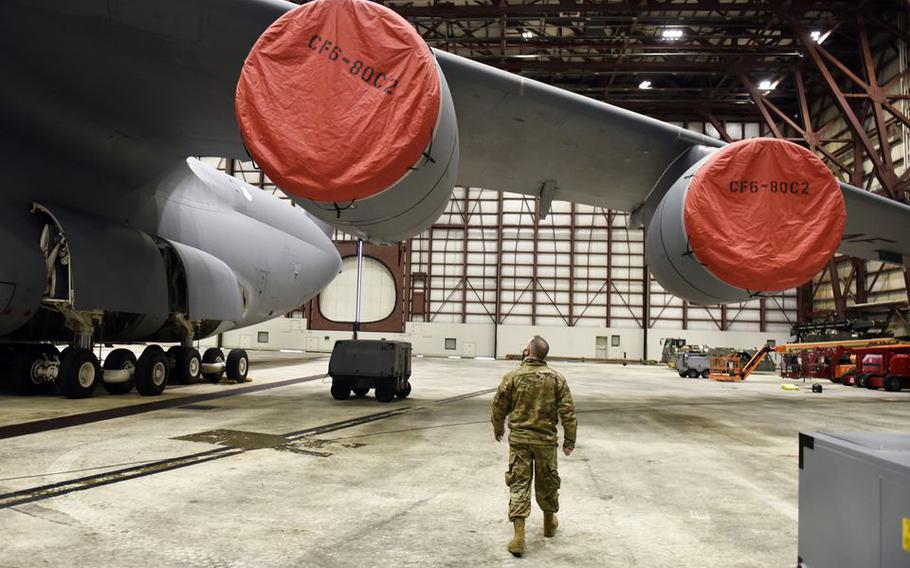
{"x":668,"y":472}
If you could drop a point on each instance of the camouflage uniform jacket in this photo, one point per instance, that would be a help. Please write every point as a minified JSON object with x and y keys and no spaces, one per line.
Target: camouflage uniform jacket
{"x":534,"y":396}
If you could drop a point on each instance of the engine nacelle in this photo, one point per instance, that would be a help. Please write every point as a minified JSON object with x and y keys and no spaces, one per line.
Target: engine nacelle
{"x":343,"y":105}
{"x":759,"y":215}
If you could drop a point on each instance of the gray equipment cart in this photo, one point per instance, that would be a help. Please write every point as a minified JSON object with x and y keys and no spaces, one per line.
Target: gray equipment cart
{"x":692,"y":365}
{"x":854,"y":500}
{"x":358,"y":365}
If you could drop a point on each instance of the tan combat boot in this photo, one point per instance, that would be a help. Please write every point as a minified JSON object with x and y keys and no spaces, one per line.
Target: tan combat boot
{"x":549,"y":524}
{"x":517,"y":545}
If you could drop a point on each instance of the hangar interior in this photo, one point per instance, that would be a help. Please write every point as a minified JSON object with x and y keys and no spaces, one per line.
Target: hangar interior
{"x":829,"y":76}
{"x":280,"y":469}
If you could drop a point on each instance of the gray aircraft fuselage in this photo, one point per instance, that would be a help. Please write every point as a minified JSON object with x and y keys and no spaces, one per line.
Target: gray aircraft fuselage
{"x":279,"y":256}
{"x":101,"y":104}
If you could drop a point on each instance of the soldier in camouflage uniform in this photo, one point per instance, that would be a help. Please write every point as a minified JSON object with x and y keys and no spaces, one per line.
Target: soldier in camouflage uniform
{"x":534,"y":397}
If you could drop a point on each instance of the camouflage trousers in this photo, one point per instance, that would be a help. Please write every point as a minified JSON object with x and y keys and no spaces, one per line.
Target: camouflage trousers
{"x":527,"y":461}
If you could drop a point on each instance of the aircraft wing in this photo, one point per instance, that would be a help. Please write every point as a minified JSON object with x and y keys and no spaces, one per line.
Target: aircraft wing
{"x":169,"y":87}
{"x":877,"y":228}
{"x":517,"y":133}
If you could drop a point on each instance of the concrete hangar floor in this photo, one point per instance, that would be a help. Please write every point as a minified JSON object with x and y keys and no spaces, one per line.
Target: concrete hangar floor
{"x":667,"y":472}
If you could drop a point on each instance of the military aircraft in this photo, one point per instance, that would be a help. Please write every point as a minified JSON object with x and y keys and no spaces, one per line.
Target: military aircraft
{"x":112,"y":231}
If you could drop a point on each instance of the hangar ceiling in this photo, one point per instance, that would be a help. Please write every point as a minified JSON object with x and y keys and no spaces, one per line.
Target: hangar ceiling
{"x":694,"y":54}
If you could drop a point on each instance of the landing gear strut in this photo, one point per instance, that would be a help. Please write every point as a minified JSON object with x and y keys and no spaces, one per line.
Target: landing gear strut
{"x":186,"y":363}
{"x":80,"y":370}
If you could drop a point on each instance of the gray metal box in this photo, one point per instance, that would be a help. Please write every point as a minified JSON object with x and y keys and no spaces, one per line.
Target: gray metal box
{"x":854,"y":500}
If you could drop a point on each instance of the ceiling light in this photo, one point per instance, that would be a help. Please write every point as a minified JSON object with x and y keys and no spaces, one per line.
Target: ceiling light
{"x":527,"y":34}
{"x":767,"y":85}
{"x":644,"y":85}
{"x":671,"y":33}
{"x":819,"y":37}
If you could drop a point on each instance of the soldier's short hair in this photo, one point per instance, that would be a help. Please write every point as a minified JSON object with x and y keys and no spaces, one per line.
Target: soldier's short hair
{"x":538,"y":348}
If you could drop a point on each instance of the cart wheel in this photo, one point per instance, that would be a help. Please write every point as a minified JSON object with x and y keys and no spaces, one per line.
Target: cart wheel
{"x":892,"y":383}
{"x":340,"y":390}
{"x":861,"y":380}
{"x":682,"y":374}
{"x":817,"y":388}
{"x":361,"y":392}
{"x":693,"y":373}
{"x":706,"y":374}
{"x":403,"y":393}
{"x":385,"y":393}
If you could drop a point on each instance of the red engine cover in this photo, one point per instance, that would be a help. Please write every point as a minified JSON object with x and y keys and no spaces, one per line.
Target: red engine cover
{"x":764,"y":214}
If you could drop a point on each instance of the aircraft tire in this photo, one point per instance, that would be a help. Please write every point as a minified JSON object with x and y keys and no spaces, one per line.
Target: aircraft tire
{"x":238,"y":365}
{"x":79,"y":374}
{"x":23,"y":360}
{"x":151,"y":372}
{"x":212,"y":355}
{"x":187,"y":367}
{"x":403,"y":393}
{"x":117,"y":360}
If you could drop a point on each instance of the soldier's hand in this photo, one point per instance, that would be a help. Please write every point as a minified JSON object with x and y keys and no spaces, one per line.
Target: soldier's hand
{"x":498,"y":437}
{"x":567,"y":451}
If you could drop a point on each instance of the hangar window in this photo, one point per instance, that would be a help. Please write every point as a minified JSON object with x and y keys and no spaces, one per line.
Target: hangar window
{"x":450,"y":344}
{"x":263,"y":337}
{"x":378,"y":293}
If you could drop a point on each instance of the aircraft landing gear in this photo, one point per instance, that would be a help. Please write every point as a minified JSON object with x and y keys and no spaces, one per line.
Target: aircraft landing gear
{"x":118,"y":370}
{"x":238,"y":365}
{"x":34,"y":368}
{"x":79,"y":373}
{"x":187,"y":368}
{"x":151,"y":371}
{"x":212,"y":364}
{"x":215,"y":365}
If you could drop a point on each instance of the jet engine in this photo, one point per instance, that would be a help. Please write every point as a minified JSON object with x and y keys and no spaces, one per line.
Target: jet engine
{"x":757,"y":216}
{"x":346,"y":109}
